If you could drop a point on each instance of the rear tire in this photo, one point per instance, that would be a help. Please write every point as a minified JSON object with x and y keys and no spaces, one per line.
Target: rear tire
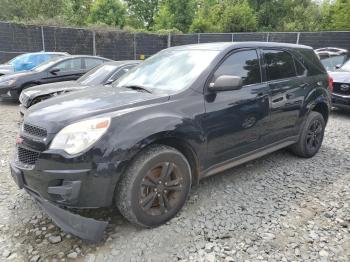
{"x":311,"y":137}
{"x":154,"y":187}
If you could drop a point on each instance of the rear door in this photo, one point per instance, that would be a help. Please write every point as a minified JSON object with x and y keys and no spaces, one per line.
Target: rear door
{"x":235,"y":119}
{"x":286,"y":78}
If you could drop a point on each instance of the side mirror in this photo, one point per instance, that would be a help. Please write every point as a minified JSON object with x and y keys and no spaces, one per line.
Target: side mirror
{"x":338,"y":66}
{"x":109,"y":81}
{"x":226,"y":83}
{"x":55,"y":71}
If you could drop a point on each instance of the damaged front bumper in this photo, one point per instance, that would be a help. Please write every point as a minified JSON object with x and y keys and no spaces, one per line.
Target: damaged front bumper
{"x":85,"y":228}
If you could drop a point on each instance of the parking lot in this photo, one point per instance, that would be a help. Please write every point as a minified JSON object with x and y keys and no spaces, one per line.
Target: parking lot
{"x":277,"y":208}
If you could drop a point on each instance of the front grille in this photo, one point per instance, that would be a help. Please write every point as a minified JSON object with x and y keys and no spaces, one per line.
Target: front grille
{"x":27,"y":156}
{"x":337,"y":88}
{"x":34,"y":130}
{"x":24,"y":99}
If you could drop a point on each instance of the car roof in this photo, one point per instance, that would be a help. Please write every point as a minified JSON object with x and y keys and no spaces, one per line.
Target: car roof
{"x":49,"y":53}
{"x":123,"y":62}
{"x":81,"y":56}
{"x":221,"y":46}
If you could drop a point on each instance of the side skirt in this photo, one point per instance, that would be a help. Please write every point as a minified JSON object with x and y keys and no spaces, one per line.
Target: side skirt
{"x":248,"y":157}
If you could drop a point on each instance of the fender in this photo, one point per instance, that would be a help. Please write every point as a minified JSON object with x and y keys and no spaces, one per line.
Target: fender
{"x":318,"y":95}
{"x":147,"y":130}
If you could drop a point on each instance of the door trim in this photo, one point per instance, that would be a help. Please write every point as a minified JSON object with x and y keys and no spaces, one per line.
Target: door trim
{"x":248,"y":156}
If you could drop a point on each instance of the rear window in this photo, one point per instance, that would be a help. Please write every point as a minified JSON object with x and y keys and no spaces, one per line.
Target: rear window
{"x":312,"y":62}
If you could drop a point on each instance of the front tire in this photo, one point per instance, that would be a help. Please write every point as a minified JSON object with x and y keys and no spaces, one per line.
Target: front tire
{"x":311,"y":136}
{"x":154,"y":187}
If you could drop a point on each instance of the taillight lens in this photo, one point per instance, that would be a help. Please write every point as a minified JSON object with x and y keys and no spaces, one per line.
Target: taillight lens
{"x":330,"y":83}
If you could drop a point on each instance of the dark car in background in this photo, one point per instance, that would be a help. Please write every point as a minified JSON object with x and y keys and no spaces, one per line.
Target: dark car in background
{"x":184,"y":114}
{"x":55,"y":70}
{"x":341,"y":86}
{"x":332,"y":57}
{"x":28,"y":61}
{"x":104,"y":74}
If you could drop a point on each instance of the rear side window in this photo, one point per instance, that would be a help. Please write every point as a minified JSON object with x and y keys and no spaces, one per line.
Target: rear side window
{"x":279,"y":64}
{"x":92,"y":62}
{"x":244,"y":64}
{"x":312,"y":62}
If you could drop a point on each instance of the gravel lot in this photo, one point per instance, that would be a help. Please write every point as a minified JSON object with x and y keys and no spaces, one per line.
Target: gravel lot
{"x":277,"y":208}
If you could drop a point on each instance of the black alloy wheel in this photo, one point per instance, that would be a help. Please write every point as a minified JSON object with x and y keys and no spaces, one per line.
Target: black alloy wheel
{"x":314,"y":135}
{"x":154,"y":187}
{"x":311,"y":136}
{"x":161,"y":189}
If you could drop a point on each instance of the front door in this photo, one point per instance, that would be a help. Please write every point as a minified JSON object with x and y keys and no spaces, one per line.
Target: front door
{"x":234,"y":120}
{"x":68,"y":70}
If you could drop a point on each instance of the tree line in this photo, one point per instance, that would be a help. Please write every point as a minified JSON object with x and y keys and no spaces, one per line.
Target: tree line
{"x":186,"y":16}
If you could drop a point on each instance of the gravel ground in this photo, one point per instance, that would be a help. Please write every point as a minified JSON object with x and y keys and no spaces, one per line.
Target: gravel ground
{"x":277,"y":208}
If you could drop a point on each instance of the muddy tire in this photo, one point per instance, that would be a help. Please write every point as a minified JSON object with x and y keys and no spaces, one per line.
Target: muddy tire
{"x":154,"y":187}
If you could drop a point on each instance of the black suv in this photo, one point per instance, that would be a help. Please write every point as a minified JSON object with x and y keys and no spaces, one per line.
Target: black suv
{"x":186,"y":113}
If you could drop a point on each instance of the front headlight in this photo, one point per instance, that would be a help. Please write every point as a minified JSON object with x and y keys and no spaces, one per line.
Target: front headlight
{"x":8,"y":82}
{"x":77,"y":137}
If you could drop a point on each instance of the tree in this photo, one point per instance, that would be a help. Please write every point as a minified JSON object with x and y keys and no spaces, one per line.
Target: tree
{"x":203,"y":20}
{"x":238,"y":18}
{"x":177,"y":14}
{"x":339,"y":16}
{"x":144,"y":11}
{"x":226,"y":16}
{"x":28,"y":10}
{"x":77,"y":11}
{"x":109,"y":12}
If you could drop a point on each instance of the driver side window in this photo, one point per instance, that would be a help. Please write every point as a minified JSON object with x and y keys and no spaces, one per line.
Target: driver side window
{"x":69,"y":65}
{"x":244,"y":64}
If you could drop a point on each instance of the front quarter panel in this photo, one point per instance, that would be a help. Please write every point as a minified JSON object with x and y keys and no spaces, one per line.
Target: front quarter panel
{"x":134,"y":131}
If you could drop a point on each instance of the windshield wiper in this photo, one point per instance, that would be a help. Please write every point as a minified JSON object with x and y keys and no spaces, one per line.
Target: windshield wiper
{"x":138,"y":87}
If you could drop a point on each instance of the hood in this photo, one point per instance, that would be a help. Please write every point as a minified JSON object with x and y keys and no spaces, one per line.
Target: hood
{"x":47,"y":89}
{"x":56,"y":113}
{"x":340,"y":76}
{"x":6,"y":69}
{"x":17,"y":75}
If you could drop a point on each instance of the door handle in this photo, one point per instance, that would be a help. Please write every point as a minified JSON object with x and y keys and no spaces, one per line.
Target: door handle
{"x":303,"y":85}
{"x":277,"y":100}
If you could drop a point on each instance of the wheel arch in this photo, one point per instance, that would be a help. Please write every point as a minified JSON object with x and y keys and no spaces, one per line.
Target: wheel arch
{"x":184,"y":148}
{"x":171,"y":140}
{"x":322,"y":108}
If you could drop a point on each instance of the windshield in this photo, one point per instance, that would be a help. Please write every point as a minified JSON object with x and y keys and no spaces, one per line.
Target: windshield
{"x":346,"y":66}
{"x":169,"y":71}
{"x":19,"y":59}
{"x":330,"y":63}
{"x":42,"y":67}
{"x":97,"y":75}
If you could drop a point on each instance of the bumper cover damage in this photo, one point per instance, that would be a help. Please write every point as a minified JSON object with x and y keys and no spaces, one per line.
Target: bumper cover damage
{"x":85,"y":228}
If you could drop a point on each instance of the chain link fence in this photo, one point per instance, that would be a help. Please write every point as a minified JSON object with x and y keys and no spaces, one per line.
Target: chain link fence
{"x":17,"y":39}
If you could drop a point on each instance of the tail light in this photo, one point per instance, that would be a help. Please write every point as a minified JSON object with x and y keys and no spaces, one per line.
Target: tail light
{"x":330,"y":83}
